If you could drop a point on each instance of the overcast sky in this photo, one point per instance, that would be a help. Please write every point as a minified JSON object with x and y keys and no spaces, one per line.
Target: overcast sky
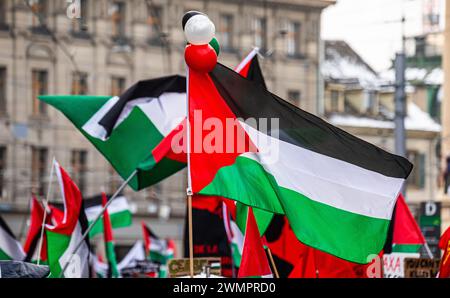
{"x":372,"y":27}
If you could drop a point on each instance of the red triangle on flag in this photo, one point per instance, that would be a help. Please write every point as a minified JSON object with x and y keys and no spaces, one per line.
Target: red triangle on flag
{"x":254,"y":260}
{"x":406,"y":230}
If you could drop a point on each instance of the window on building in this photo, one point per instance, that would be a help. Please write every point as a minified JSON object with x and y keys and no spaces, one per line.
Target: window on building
{"x":260,"y":32}
{"x":417,"y":176}
{"x":293,"y":96}
{"x":154,"y":21}
{"x":3,"y":10}
{"x":40,"y":12}
{"x":334,"y":106}
{"x":225,"y":32}
{"x":38,"y":169}
{"x":39,"y":87}
{"x":420,"y":46}
{"x":293,"y":38}
{"x":79,"y":168}
{"x":2,"y":169}
{"x":370,"y":101}
{"x":2,"y":90}
{"x":79,"y":83}
{"x":118,"y":19}
{"x":80,"y":24}
{"x":117,"y":85}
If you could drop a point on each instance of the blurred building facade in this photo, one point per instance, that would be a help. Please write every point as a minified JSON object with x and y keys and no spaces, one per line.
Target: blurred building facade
{"x":361,"y":101}
{"x":46,"y":49}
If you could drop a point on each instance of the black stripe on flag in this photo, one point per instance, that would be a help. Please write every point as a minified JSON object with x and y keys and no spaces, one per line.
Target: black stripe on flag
{"x":150,"y":233}
{"x":248,"y":100}
{"x":6,"y":228}
{"x":96,"y":200}
{"x":254,"y":72}
{"x":142,"y":89}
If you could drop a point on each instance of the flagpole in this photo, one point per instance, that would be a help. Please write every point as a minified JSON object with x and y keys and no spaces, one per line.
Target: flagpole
{"x":275,"y":270}
{"x":427,"y":248}
{"x":99,"y":215}
{"x":189,"y":179}
{"x":45,"y":203}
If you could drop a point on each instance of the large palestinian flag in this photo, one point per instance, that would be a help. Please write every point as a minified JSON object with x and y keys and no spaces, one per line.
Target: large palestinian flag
{"x":65,"y":233}
{"x":10,"y":248}
{"x":126,"y":128}
{"x":119,"y":212}
{"x":335,"y":189}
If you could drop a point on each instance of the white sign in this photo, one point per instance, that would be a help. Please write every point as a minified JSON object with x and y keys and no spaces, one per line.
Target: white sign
{"x":393,"y":264}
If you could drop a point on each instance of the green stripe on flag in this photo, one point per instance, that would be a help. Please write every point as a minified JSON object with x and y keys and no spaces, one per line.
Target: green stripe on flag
{"x":129,"y":146}
{"x":120,"y":219}
{"x":56,"y":246}
{"x":262,"y":217}
{"x":4,"y":256}
{"x":112,"y":261}
{"x":407,"y":248}
{"x":348,"y":235}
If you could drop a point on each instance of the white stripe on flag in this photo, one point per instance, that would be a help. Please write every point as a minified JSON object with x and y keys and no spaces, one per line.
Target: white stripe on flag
{"x":325,"y":179}
{"x":118,"y":205}
{"x":11,"y":246}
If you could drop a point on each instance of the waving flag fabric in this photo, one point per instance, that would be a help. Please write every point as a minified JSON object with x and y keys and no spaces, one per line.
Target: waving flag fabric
{"x":335,"y":189}
{"x":119,"y":212}
{"x":407,"y":236}
{"x":126,"y":128}
{"x":31,"y":246}
{"x":10,"y":248}
{"x":65,"y":233}
{"x":444,"y":244}
{"x":109,"y":241}
{"x":254,"y":261}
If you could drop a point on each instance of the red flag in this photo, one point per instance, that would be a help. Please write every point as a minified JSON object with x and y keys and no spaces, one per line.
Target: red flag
{"x":32,"y":241}
{"x":254,"y":260}
{"x":106,"y":221}
{"x":309,"y":262}
{"x":407,"y":236}
{"x":444,"y":244}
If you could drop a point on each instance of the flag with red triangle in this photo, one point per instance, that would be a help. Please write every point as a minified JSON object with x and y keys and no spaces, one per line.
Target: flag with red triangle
{"x":286,"y":166}
{"x":254,"y":261}
{"x":109,"y":241}
{"x":406,"y":236}
{"x":33,"y":240}
{"x":65,"y":232}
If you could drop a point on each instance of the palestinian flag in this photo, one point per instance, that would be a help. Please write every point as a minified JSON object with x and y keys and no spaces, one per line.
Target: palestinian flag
{"x":155,"y":248}
{"x":119,"y":212}
{"x":234,"y":234}
{"x":406,"y":236}
{"x":249,"y":68}
{"x":170,"y":253}
{"x":10,"y":248}
{"x":134,"y":122}
{"x":254,"y":261}
{"x":109,"y":241}
{"x":31,"y":246}
{"x":235,"y":221}
{"x":65,"y":233}
{"x":335,"y":189}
